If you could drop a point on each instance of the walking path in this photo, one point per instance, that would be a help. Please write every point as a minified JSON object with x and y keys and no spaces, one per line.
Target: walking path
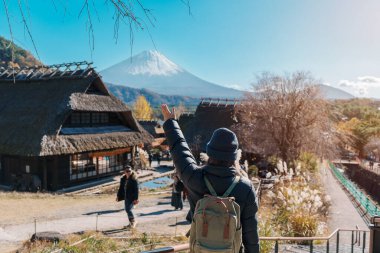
{"x":342,"y":211}
{"x":159,"y":217}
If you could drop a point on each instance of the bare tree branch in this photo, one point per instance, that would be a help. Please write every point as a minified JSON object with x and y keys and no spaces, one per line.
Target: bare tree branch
{"x":284,"y":117}
{"x":27,"y":29}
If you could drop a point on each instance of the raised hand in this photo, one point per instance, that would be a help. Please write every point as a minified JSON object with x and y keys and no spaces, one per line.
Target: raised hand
{"x":167,"y":113}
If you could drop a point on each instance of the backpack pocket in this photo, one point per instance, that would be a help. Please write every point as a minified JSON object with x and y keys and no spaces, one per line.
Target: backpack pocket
{"x":198,"y":248}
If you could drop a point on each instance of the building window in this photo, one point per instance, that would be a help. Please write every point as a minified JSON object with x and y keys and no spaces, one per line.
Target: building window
{"x":95,"y":119}
{"x":87,"y":165}
{"x":104,"y":117}
{"x":85,"y":118}
{"x":82,"y":166}
{"x":75,"y":118}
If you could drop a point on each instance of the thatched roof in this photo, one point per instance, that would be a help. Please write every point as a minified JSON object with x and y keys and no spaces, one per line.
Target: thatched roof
{"x":208,"y":116}
{"x":99,"y":103}
{"x":153,"y":127}
{"x":32,"y":112}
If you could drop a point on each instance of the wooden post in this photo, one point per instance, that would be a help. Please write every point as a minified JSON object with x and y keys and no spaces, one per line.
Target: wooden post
{"x":133,"y":162}
{"x":97,"y":166}
{"x":44,"y":181}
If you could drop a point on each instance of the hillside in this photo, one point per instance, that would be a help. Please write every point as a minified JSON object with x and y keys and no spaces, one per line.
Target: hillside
{"x":129,"y":95}
{"x":22,"y":57}
{"x":329,"y":92}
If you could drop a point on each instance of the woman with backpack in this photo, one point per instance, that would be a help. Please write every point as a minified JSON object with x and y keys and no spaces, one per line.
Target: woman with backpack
{"x":215,"y":188}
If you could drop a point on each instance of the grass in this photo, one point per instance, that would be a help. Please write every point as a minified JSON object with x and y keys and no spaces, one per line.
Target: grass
{"x":97,"y":242}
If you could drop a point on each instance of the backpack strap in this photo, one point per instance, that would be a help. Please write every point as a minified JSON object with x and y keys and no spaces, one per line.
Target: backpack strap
{"x":232,"y":186}
{"x":209,"y":186}
{"x":228,"y":191}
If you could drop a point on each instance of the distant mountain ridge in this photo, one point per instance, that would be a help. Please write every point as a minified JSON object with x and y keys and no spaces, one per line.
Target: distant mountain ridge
{"x":329,"y":92}
{"x":129,"y":95}
{"x":152,"y":70}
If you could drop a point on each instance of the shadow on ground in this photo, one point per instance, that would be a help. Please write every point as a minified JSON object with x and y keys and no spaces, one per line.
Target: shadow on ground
{"x":163,"y":203}
{"x":181,"y":223}
{"x":104,"y":212}
{"x":157,"y":212}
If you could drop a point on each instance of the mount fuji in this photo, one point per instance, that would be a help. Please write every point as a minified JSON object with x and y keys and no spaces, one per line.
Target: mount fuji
{"x":153,"y":71}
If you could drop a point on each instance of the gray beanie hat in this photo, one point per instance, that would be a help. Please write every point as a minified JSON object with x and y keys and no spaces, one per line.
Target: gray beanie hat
{"x":223,"y":145}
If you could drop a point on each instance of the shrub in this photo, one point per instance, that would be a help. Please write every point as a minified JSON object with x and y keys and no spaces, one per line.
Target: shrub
{"x":298,"y":208}
{"x":253,"y":171}
{"x":308,"y":161}
{"x":303,"y":225}
{"x":273,"y":160}
{"x":266,"y":229}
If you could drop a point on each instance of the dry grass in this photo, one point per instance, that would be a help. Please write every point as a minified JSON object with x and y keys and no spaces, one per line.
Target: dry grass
{"x":97,"y":242}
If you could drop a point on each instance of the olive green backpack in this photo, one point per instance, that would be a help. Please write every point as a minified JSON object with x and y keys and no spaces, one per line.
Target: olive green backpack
{"x":216,"y":223}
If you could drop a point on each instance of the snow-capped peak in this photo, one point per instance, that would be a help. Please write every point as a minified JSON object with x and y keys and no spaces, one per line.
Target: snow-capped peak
{"x":149,"y":63}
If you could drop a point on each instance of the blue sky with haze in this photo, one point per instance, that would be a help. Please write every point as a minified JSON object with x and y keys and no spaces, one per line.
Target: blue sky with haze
{"x":225,"y":42}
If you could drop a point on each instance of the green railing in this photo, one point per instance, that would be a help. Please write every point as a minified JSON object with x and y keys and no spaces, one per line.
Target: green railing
{"x":366,"y":204}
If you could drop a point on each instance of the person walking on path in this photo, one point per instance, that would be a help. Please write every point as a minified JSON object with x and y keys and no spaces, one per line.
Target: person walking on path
{"x":220,"y":172}
{"x":129,"y":192}
{"x":150,"y":157}
{"x":178,"y":187}
{"x":158,"y":158}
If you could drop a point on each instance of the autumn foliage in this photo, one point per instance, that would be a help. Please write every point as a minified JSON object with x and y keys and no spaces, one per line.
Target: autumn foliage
{"x":142,"y":109}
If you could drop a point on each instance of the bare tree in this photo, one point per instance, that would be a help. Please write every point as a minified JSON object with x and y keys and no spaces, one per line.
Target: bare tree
{"x":285,"y":116}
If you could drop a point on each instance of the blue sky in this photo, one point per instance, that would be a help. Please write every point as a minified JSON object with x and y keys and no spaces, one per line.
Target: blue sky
{"x":223,"y":41}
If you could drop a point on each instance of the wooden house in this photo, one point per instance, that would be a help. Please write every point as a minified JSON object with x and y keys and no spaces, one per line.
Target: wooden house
{"x":210,"y":114}
{"x":154,"y":127}
{"x":61,"y":126}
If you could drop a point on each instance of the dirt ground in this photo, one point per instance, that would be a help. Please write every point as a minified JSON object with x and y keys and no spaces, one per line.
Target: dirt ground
{"x":18,"y":210}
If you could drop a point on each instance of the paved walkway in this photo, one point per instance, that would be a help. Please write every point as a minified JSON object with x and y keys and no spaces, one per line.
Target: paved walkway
{"x":342,"y":211}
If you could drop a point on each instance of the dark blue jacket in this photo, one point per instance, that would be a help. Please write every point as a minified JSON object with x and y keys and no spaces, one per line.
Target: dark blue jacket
{"x":220,"y":177}
{"x":128,"y":188}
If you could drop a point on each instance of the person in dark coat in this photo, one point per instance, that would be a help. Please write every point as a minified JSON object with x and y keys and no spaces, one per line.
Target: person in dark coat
{"x":178,"y":187}
{"x":129,"y":192}
{"x":220,"y":170}
{"x":158,"y":159}
{"x":150,"y":157}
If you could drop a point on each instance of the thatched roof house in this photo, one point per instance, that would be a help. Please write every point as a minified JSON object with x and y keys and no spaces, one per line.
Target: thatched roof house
{"x":155,"y":128}
{"x":61,"y":124}
{"x":209,"y":115}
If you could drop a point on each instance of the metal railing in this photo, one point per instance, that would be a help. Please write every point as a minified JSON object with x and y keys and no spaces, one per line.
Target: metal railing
{"x":332,"y":243}
{"x":370,"y":208}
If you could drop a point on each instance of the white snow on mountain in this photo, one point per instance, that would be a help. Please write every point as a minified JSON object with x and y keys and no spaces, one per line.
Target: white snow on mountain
{"x":150,"y":62}
{"x":154,"y":71}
